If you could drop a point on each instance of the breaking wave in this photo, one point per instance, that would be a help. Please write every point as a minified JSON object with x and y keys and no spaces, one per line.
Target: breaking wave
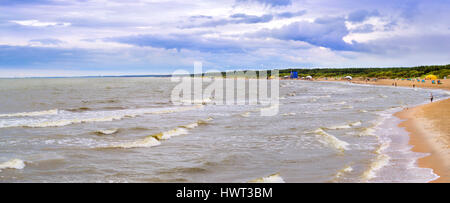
{"x":155,"y":140}
{"x":149,"y":141}
{"x":64,"y":118}
{"x":246,"y":114}
{"x":107,"y":131}
{"x":345,"y":126}
{"x":342,"y":172}
{"x":274,"y":178}
{"x":331,"y":140}
{"x":30,"y":114}
{"x":12,"y":164}
{"x":289,"y":114}
{"x":380,"y":161}
{"x":338,"y":127}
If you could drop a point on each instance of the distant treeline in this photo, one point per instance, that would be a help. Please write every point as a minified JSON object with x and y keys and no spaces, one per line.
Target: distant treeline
{"x":440,"y":71}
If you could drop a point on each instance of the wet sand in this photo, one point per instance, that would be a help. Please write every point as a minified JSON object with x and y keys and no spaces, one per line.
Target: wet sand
{"x":428,"y":125}
{"x":429,"y":128}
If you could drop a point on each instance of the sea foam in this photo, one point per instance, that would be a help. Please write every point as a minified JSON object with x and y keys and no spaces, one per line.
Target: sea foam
{"x":331,"y":140}
{"x":12,"y":164}
{"x":64,"y":118}
{"x":155,"y":140}
{"x":274,"y":178}
{"x":30,"y":114}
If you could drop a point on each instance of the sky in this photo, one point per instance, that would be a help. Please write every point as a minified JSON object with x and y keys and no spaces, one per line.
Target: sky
{"x":116,"y":37}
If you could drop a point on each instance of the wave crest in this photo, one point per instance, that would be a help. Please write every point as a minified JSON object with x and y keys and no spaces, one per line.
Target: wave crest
{"x":13,"y":164}
{"x":274,"y":178}
{"x":32,"y":113}
{"x":331,"y":140}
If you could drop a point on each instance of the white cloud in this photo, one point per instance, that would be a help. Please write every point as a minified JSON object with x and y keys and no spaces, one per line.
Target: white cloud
{"x":37,"y":23}
{"x":86,"y":25}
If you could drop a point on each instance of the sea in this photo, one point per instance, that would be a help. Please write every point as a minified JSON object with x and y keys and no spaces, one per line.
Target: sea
{"x":127,"y":129}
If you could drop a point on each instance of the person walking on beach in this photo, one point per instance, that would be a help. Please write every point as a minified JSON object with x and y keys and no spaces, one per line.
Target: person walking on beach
{"x":431,"y":97}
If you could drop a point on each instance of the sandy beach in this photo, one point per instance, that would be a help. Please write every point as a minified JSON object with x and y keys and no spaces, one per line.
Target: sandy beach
{"x":407,"y":83}
{"x":428,"y":125}
{"x":402,"y":83}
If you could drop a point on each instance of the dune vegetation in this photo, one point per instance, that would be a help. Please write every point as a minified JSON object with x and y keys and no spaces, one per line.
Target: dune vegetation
{"x":440,"y":71}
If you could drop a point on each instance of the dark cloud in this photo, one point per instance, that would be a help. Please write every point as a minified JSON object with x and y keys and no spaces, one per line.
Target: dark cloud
{"x":272,"y":3}
{"x":239,"y":18}
{"x":18,"y":2}
{"x":291,"y":14}
{"x":250,"y":19}
{"x":326,"y":32}
{"x":200,"y":17}
{"x":11,"y":56}
{"x":366,"y":28}
{"x":182,"y":41}
{"x":361,"y":15}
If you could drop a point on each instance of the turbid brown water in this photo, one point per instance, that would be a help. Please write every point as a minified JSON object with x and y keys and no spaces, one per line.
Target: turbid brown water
{"x":104,"y":129}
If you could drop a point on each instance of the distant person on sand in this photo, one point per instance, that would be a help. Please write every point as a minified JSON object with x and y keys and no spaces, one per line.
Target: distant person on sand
{"x":431,"y":97}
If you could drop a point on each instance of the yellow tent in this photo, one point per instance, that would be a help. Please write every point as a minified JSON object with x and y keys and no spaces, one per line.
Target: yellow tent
{"x":430,"y":77}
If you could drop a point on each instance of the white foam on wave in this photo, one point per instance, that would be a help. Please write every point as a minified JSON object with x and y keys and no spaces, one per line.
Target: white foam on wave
{"x":338,"y":127}
{"x":331,"y":140}
{"x":30,"y":114}
{"x":368,"y":132}
{"x":355,"y":124}
{"x":149,"y":141}
{"x":246,"y":114}
{"x":191,"y":126}
{"x":67,"y":118}
{"x":394,"y":161}
{"x":60,"y":123}
{"x":340,"y":103}
{"x":289,"y":114}
{"x":108,"y":131}
{"x":155,"y":140}
{"x":274,"y":178}
{"x":345,"y":126}
{"x":175,"y":132}
{"x":342,"y":172}
{"x":12,"y":164}
{"x":380,"y":161}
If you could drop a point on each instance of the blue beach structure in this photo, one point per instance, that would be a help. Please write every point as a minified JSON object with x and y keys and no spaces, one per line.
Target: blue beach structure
{"x":294,"y":74}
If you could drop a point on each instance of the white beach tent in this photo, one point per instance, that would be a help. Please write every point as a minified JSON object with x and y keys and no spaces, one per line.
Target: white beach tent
{"x":348,"y":77}
{"x":309,"y":77}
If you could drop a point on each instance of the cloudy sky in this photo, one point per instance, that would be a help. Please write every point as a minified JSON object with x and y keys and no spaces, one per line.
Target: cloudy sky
{"x":112,"y":37}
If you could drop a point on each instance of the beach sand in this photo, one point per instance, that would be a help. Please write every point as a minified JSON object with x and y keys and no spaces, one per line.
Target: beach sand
{"x":429,"y":128}
{"x":428,"y":125}
{"x":406,"y":83}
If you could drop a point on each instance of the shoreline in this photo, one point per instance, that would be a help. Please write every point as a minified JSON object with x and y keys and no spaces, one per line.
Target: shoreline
{"x":428,"y":126}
